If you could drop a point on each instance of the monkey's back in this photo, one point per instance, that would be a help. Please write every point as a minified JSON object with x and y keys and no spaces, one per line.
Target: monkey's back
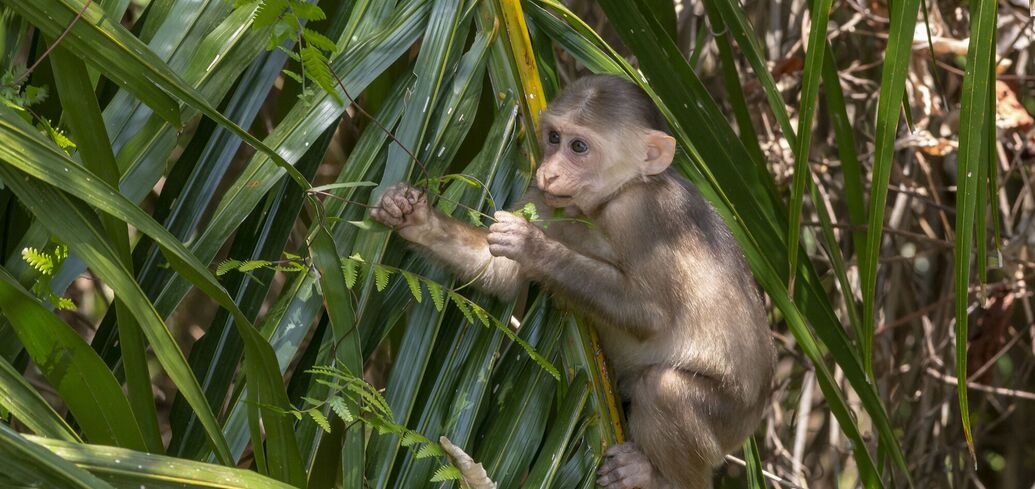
{"x":671,"y":243}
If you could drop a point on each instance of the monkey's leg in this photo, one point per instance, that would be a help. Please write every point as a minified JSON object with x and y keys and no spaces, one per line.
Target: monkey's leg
{"x":681,"y":423}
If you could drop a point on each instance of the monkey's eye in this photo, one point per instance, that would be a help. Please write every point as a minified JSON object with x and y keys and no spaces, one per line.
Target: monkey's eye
{"x":579,"y":146}
{"x":554,"y":137}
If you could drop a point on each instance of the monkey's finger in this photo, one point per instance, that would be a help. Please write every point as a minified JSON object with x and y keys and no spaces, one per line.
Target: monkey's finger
{"x":383,"y":218}
{"x":502,"y":249}
{"x":414,"y":195}
{"x":505,"y":228}
{"x":399,"y":187}
{"x":404,"y":204}
{"x":500,"y":239}
{"x":391,"y":208}
{"x":504,"y":216}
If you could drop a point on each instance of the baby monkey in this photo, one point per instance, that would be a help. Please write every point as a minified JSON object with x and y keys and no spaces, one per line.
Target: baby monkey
{"x":660,"y":275}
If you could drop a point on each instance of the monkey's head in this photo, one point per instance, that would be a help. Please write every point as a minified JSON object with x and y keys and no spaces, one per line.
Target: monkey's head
{"x":598,"y":134}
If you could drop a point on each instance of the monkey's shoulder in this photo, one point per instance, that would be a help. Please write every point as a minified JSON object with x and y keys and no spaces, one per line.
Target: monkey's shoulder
{"x":667,"y":207}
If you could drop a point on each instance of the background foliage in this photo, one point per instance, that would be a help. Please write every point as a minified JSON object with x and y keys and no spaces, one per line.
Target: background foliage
{"x":191,"y":294}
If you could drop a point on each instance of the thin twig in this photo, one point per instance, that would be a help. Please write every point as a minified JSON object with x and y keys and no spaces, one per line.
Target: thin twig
{"x":352,"y":101}
{"x":768,"y":475}
{"x":54,"y":44}
{"x":948,"y":379}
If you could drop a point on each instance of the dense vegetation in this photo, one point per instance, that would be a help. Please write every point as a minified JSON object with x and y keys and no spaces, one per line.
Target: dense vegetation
{"x":191,"y":294}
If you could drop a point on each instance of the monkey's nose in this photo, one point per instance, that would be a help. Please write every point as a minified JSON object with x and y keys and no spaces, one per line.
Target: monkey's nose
{"x":546,"y":179}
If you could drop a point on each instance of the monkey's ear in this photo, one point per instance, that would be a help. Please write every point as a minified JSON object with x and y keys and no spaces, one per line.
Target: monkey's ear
{"x":661,"y":148}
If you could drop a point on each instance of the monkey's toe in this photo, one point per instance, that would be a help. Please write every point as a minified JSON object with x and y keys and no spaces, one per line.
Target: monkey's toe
{"x":626,"y":467}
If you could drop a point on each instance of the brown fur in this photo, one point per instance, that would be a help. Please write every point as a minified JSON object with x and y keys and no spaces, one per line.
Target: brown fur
{"x":680,"y":318}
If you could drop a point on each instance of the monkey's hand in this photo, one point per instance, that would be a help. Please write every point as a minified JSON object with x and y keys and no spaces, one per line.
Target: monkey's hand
{"x":515,"y":238}
{"x":404,"y":209}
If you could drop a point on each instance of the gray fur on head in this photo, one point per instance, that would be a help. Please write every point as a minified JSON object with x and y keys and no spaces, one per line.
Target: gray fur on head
{"x":598,"y":101}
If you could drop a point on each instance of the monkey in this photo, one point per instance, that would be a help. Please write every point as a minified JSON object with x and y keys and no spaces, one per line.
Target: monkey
{"x":680,"y":319}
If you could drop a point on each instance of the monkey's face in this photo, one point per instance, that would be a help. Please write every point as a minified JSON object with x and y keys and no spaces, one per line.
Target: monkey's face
{"x":585,"y":166}
{"x":571,"y":158}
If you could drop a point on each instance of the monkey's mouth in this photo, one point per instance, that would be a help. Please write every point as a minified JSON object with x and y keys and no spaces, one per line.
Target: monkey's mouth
{"x":555,"y":200}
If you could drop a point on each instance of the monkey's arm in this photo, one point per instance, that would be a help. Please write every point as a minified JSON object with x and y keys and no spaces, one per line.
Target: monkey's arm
{"x":461,"y":247}
{"x":594,"y":284}
{"x":465,"y":250}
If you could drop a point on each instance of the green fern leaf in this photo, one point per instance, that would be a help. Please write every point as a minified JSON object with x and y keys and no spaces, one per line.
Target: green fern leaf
{"x":318,"y":40}
{"x":480,"y":314}
{"x":414,"y":284}
{"x":319,"y":419}
{"x":474,"y":217}
{"x":63,"y":303}
{"x":60,"y":253}
{"x":40,"y":260}
{"x":381,"y":277}
{"x":341,"y":409}
{"x":350,"y":268}
{"x":529,"y":212}
{"x":226,"y":266}
{"x":430,"y":450}
{"x":437,"y":296}
{"x":317,"y":69}
{"x":380,"y":425}
{"x":268,"y":13}
{"x":56,"y":135}
{"x":294,"y":76}
{"x":307,"y":11}
{"x":290,"y":267}
{"x":539,"y":359}
{"x":447,"y":473}
{"x":253,"y":264}
{"x":62,"y":140}
{"x":409,"y":439}
{"x":461,"y":303}
{"x":373,"y":398}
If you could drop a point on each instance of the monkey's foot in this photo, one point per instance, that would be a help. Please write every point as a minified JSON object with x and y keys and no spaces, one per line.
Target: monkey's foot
{"x":626,"y":467}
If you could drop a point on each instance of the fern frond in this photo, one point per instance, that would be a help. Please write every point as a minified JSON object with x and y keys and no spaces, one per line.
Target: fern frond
{"x":341,"y":409}
{"x":253,"y":264}
{"x":481,"y":314}
{"x":414,"y":284}
{"x":60,"y":254}
{"x":226,"y":266}
{"x":40,"y":260}
{"x":372,"y":398}
{"x":447,"y":473}
{"x":318,"y":40}
{"x":437,"y":296}
{"x":290,"y":267}
{"x":63,"y":303}
{"x":350,"y":268}
{"x":319,"y":419}
{"x":381,"y":274}
{"x":430,"y":450}
{"x":461,"y":304}
{"x":475,"y":217}
{"x":268,"y":12}
{"x":317,"y":69}
{"x":410,"y":438}
{"x":307,"y":11}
